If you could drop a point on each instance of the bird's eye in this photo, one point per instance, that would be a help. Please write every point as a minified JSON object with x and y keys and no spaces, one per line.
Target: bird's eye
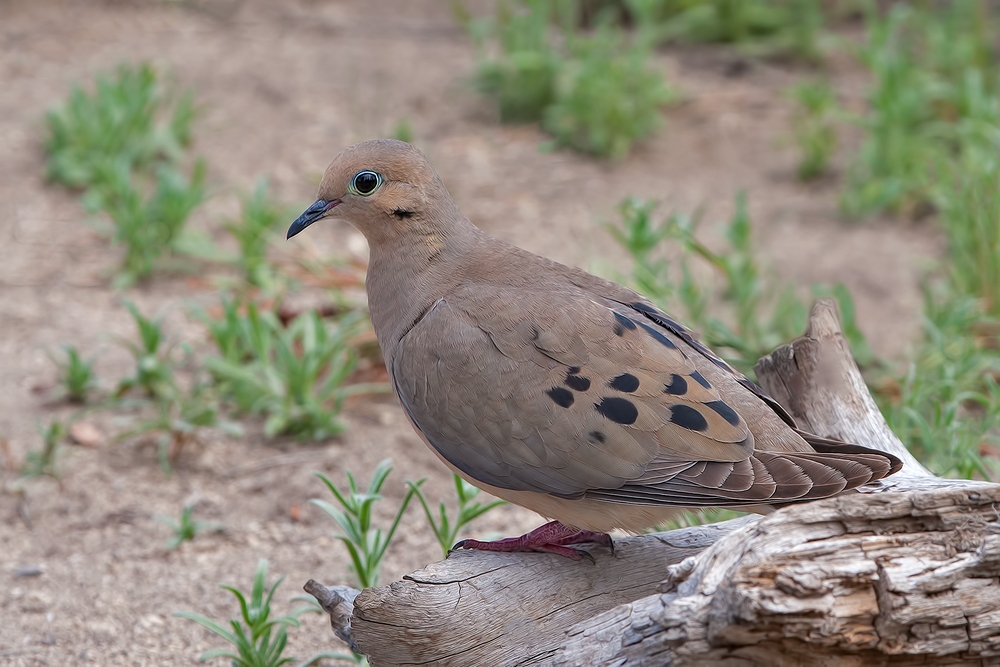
{"x":364,"y":183}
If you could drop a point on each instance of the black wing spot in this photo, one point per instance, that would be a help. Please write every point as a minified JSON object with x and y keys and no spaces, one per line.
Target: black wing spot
{"x":625,"y":382}
{"x":656,"y":315}
{"x":643,"y":308}
{"x":687,"y":417}
{"x":596,"y":437}
{"x":577,"y":382}
{"x":562,"y":397}
{"x":618,"y":410}
{"x":622,"y":323}
{"x":658,"y":335}
{"x":700,"y":379}
{"x":725,"y":411}
{"x":678,"y":385}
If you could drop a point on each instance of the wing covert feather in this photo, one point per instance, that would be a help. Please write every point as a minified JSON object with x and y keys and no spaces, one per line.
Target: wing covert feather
{"x":555,"y":403}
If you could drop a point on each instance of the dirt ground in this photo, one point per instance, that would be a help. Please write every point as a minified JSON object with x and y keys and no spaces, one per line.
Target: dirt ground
{"x":282,"y":87}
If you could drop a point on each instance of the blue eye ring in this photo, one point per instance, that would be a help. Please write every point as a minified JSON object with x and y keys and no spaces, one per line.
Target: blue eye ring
{"x":364,"y":183}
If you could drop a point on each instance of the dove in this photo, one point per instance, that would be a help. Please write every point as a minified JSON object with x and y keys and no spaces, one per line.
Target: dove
{"x":555,"y":389}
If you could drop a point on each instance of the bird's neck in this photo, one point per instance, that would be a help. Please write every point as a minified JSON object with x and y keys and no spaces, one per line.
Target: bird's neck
{"x":410,"y":273}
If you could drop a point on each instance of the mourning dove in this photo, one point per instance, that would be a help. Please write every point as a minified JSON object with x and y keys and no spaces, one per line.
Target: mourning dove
{"x":552,"y":388}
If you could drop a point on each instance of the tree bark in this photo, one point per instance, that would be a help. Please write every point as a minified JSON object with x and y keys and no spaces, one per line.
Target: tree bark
{"x":903,"y":572}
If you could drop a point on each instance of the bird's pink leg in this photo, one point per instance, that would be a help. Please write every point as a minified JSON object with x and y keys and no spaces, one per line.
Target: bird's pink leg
{"x":551,"y":538}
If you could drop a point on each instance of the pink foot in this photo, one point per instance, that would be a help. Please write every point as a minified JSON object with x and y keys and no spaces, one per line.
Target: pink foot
{"x":551,"y":538}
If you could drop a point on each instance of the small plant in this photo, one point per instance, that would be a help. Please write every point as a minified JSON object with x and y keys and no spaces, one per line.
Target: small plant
{"x":121,"y":146}
{"x":814,"y":126}
{"x":257,"y":639}
{"x":187,"y":527}
{"x":153,"y":369}
{"x":594,"y":93}
{"x":641,"y":237}
{"x":607,"y":96}
{"x":946,"y":407}
{"x":233,"y":333}
{"x":365,"y":543}
{"x":757,"y":27}
{"x":295,"y":376}
{"x":38,"y":462}
{"x":521,"y":78}
{"x":127,"y":119}
{"x":178,"y":421}
{"x":934,"y":100}
{"x":970,"y":213}
{"x":147,"y":227}
{"x":764,"y":315}
{"x":746,"y":289}
{"x":444,"y":529}
{"x":253,"y":231}
{"x":76,"y":375}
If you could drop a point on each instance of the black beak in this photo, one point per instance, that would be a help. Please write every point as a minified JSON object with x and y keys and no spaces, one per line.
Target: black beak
{"x":311,"y":215}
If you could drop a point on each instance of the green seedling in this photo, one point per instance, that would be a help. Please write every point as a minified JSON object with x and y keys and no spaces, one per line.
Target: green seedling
{"x":607,"y":96}
{"x":77,"y":379}
{"x":641,"y":236}
{"x":256,"y":639}
{"x":186,"y":527}
{"x":595,"y":93}
{"x":521,"y":78}
{"x":127,"y":119}
{"x":947,"y":405}
{"x":970,"y":213}
{"x":153,"y":369}
{"x":179,"y":420}
{"x":38,"y":462}
{"x":766,"y":28}
{"x":121,"y":145}
{"x":365,"y":543}
{"x":813,"y":124}
{"x":253,"y":231}
{"x":295,"y":376}
{"x":444,"y":528}
{"x":747,"y":290}
{"x":764,"y":314}
{"x":934,"y":99}
{"x":236,"y":337}
{"x":147,"y":227}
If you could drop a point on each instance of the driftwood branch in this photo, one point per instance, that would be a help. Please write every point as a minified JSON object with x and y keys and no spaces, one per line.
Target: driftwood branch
{"x":906,"y":578}
{"x":338,"y":602}
{"x":479,"y":608}
{"x":904,"y":572}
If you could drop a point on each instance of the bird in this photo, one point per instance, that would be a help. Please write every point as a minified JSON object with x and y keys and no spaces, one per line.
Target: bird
{"x":555,"y":389}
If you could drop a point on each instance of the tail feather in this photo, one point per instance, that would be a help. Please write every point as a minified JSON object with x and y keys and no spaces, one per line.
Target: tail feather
{"x":767,"y":477}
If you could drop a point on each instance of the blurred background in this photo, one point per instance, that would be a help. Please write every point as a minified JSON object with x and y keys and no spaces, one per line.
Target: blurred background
{"x":172,"y":372}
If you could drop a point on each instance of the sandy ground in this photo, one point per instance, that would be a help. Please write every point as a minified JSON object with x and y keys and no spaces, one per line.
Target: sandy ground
{"x":282,"y":87}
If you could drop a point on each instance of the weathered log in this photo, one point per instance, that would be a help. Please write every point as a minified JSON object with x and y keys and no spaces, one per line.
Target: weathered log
{"x":860,"y":579}
{"x":338,"y":602}
{"x":480,"y":608}
{"x":906,"y":578}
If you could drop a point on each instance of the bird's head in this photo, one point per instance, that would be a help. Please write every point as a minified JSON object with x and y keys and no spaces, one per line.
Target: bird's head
{"x":382,"y":187}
